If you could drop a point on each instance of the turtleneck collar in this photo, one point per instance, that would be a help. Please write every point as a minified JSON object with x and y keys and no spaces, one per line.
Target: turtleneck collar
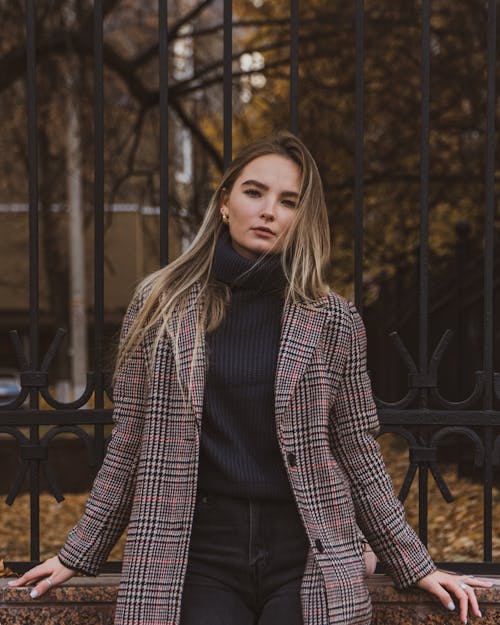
{"x":244,"y":273}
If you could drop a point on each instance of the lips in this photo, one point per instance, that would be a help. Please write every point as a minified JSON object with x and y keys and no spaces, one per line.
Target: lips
{"x":263,"y":229}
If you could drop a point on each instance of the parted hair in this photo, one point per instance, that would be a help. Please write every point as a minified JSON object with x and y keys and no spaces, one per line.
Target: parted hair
{"x":305,"y":254}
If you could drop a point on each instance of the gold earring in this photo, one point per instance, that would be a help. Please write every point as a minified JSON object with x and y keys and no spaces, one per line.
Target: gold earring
{"x":225,"y":218}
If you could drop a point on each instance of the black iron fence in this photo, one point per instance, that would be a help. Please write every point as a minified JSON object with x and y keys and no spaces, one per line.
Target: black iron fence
{"x":423,"y":416}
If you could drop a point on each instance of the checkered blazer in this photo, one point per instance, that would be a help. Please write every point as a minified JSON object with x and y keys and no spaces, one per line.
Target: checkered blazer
{"x":325,"y":417}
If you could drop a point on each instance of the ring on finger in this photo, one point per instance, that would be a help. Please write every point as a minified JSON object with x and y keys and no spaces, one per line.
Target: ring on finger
{"x":464,"y":585}
{"x":48,"y":581}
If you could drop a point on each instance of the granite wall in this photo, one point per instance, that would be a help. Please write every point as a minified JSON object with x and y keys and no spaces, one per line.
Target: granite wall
{"x":90,"y":601}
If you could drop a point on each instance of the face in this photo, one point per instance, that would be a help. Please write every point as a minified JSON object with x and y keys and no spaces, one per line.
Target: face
{"x":262,"y":204}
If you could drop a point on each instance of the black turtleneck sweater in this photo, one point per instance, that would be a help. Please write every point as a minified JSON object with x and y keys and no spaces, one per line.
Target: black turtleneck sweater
{"x":239,"y":453}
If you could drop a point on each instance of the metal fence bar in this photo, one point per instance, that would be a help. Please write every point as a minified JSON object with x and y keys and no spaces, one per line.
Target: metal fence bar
{"x":163,"y":76}
{"x":228,"y":83}
{"x":416,"y":417}
{"x":424,"y":251}
{"x":34,"y":466}
{"x":98,"y":220}
{"x":488,"y":274}
{"x":404,"y":418}
{"x":359,"y":156}
{"x":490,"y":207}
{"x":488,"y":495}
{"x":294,"y":66}
{"x":424,"y":200}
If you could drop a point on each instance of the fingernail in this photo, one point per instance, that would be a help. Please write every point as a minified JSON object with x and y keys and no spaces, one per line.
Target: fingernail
{"x":34,"y":594}
{"x":480,"y":613}
{"x":10,"y":583}
{"x":451,"y":606}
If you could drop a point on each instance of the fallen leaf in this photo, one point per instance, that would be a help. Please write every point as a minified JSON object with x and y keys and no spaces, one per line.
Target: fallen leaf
{"x":5,"y":571}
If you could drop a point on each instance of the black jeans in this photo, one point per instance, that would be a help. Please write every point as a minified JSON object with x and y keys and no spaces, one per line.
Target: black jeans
{"x":246,"y":562}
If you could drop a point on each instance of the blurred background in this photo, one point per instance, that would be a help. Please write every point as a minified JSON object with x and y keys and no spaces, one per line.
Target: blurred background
{"x":116,"y":120}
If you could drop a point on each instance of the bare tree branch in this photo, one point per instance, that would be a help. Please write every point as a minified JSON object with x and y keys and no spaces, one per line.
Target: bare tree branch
{"x":152,"y":51}
{"x":198,"y":133}
{"x":188,"y":17}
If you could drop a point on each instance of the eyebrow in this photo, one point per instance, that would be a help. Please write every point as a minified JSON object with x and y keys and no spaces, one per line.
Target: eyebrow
{"x":264,"y":187}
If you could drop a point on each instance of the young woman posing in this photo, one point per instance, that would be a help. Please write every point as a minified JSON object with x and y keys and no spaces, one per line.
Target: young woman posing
{"x":243,"y":458}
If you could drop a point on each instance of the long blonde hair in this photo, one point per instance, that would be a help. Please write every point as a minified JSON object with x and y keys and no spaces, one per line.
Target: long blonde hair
{"x":305,"y":255}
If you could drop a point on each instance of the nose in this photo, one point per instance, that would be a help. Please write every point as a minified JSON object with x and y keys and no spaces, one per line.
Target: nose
{"x":268,"y":209}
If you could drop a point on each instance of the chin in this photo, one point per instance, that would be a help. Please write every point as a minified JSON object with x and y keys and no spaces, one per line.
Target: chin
{"x":253,"y":249}
{"x":262,"y":249}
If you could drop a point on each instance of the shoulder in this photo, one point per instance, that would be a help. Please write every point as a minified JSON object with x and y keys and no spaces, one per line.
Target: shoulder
{"x":344,"y":318}
{"x":344,"y":313}
{"x":340,"y":309}
{"x":136,"y":302}
{"x":153,"y":286}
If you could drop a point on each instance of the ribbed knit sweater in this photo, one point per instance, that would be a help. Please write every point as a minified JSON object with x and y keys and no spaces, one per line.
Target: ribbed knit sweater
{"x":239,"y":453}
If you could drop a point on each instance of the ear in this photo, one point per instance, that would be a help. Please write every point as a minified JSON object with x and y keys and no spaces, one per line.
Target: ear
{"x":223,"y":203}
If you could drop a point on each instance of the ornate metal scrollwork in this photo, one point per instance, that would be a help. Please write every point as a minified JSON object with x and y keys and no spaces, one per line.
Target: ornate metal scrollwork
{"x":425,"y":454}
{"x":433,"y":368}
{"x":30,"y":452}
{"x":496,"y":384}
{"x":418,"y":380}
{"x":412,"y":368}
{"x":39,"y":379}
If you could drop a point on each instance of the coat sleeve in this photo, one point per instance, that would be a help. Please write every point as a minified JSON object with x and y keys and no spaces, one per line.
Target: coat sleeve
{"x":109,"y":504}
{"x":379,"y":512}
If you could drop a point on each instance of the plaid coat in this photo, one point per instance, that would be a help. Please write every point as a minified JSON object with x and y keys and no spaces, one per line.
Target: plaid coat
{"x":325,"y":421}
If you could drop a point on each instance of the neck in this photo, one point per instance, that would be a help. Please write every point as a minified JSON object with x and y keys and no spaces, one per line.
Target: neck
{"x":263,"y":274}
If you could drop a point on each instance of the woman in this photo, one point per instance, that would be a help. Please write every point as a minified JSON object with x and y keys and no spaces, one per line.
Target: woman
{"x":249,"y":514}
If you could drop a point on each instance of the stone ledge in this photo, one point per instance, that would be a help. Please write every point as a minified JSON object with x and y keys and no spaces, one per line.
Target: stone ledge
{"x":416,"y":607}
{"x":80,"y":601}
{"x":90,"y":601}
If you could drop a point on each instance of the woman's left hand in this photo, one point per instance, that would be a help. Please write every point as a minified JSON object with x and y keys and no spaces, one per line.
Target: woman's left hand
{"x":370,"y":559}
{"x":439,"y":583}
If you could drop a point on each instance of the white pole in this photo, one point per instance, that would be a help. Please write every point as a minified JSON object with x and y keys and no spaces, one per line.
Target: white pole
{"x":77,"y":303}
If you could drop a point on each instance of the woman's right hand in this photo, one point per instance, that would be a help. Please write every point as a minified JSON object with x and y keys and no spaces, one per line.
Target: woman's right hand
{"x":52,"y":572}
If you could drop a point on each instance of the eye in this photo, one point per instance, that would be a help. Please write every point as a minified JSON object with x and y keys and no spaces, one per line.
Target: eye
{"x":290,"y":203}
{"x":252,"y":192}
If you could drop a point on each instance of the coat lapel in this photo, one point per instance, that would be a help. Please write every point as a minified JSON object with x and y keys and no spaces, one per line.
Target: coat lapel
{"x":300,"y":332}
